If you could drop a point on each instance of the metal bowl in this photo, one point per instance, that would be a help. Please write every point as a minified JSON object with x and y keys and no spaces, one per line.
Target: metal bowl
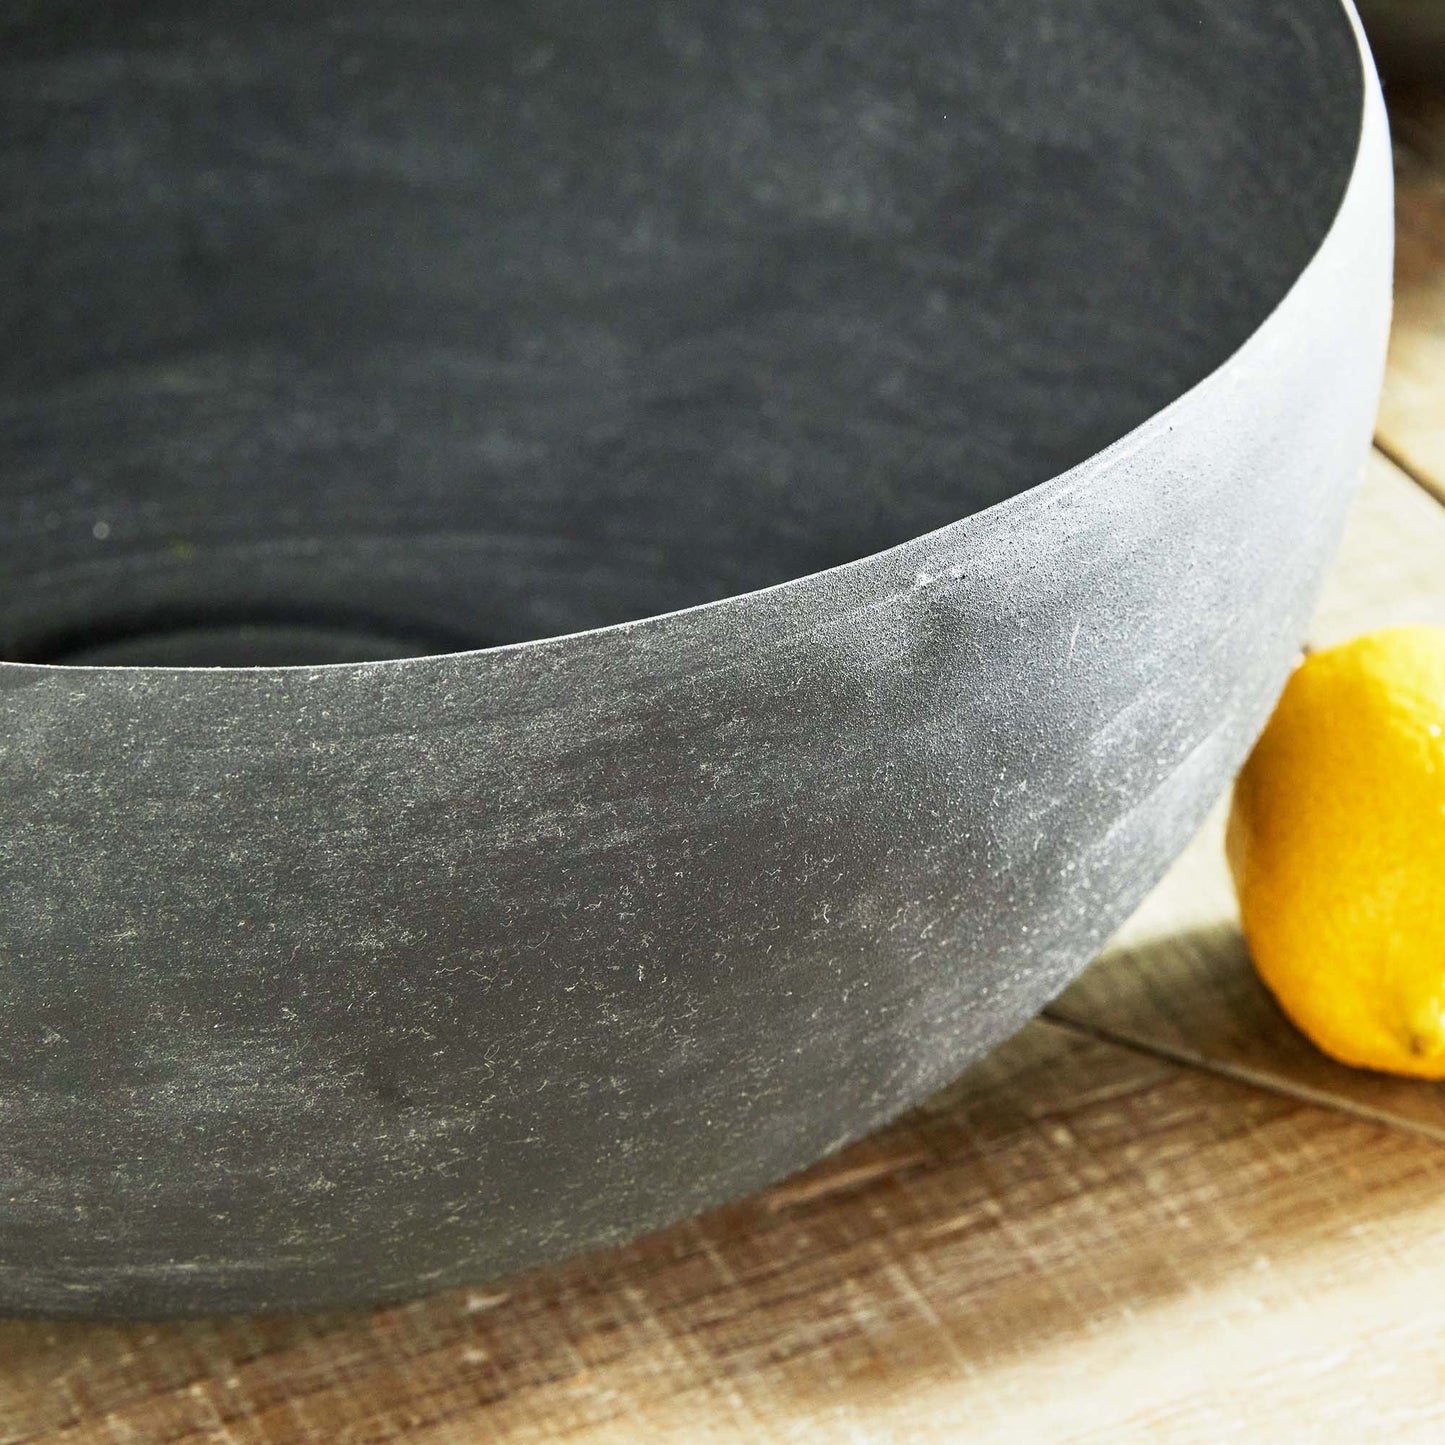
{"x":734,"y":541}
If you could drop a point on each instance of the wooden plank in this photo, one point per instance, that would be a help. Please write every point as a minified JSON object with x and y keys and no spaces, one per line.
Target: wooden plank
{"x":1411,"y":426}
{"x":1390,"y":570}
{"x":1076,"y":1243}
{"x":1177,"y":979}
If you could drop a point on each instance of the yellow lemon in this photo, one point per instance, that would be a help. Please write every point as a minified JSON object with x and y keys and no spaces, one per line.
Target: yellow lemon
{"x":1337,"y":846}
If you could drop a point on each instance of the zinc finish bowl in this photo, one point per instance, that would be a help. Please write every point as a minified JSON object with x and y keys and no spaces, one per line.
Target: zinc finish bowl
{"x":598,"y":598}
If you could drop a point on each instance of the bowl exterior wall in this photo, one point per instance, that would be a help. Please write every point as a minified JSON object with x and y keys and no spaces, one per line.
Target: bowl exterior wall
{"x":336,"y":984}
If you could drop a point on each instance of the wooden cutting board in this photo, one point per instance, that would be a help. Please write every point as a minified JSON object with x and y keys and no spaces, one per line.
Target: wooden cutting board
{"x":1156,"y":1214}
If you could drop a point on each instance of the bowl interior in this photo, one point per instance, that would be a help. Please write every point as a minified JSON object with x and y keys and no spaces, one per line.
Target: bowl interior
{"x":360,"y":330}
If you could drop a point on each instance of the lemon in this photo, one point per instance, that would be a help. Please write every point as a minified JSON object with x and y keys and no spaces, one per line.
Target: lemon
{"x":1337,"y":845}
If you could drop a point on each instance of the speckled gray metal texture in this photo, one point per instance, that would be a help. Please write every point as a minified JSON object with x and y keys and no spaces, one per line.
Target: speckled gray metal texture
{"x":364,"y":329}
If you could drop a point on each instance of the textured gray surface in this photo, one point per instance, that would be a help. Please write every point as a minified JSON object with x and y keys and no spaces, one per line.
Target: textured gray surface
{"x":478,"y":323}
{"x":331,"y":983}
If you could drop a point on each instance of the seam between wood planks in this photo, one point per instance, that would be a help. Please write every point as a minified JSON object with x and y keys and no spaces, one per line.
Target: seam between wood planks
{"x":1397,"y":461}
{"x":1244,"y":1076}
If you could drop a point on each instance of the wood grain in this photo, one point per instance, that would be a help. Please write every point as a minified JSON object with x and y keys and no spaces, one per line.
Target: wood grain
{"x":1077,"y":1242}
